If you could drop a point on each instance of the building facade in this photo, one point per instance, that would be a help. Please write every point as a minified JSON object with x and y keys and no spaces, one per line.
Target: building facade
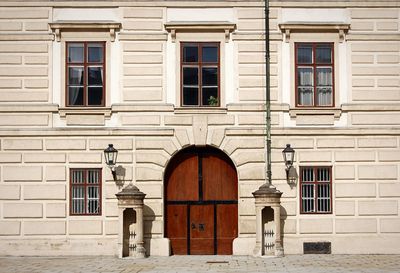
{"x":178,"y":87}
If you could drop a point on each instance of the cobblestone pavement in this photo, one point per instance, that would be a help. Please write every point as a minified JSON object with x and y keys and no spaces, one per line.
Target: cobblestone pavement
{"x":231,"y":264}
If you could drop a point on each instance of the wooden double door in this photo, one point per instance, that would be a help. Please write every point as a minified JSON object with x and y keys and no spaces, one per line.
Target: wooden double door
{"x":201,"y":202}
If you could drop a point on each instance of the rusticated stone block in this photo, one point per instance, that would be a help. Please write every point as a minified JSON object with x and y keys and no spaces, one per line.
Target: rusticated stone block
{"x":46,"y":192}
{"x":391,"y":225}
{"x":9,"y":192}
{"x":55,"y":173}
{"x":375,"y":207}
{"x":9,"y":228}
{"x":148,"y":174}
{"x":44,"y":228}
{"x":55,"y":210}
{"x":378,"y":172}
{"x":360,"y":225}
{"x":344,"y":208}
{"x":10,"y":158}
{"x":85,"y":227}
{"x":22,"y":210}
{"x":22,"y":173}
{"x":352,"y":190}
{"x":22,"y":144}
{"x":158,"y":157}
{"x":111,"y":227}
{"x":44,"y":158}
{"x":252,"y":171}
{"x":65,"y":144}
{"x":313,"y":226}
{"x":85,"y":157}
{"x":119,"y":144}
{"x":166,"y":145}
{"x":389,"y":189}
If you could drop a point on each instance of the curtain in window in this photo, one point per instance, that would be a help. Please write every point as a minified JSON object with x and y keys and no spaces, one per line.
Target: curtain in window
{"x":324,"y":86}
{"x":305,"y":86}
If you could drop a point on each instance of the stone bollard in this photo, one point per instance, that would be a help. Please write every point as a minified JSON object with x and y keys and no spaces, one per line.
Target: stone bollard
{"x":131,"y":230}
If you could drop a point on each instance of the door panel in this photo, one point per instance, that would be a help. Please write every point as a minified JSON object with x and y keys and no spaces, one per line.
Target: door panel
{"x":201,"y":229}
{"x":227,"y":218}
{"x":219,"y":178}
{"x":183,"y":179}
{"x":177,"y":228}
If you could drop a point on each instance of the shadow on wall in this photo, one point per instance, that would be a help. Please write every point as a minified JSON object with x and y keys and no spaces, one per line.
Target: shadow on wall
{"x":149,"y":217}
{"x":283,"y":222}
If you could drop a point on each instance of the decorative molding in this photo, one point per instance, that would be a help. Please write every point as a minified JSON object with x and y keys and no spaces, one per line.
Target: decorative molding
{"x":64,"y":111}
{"x":60,"y":26}
{"x":289,"y":27}
{"x":174,"y":27}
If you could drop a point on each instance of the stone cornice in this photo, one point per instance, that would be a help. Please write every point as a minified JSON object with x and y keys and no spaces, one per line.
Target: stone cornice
{"x":60,"y":26}
{"x":174,"y":27}
{"x":289,"y":27}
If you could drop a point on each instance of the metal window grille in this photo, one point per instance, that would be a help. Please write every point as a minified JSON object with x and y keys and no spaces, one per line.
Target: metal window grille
{"x":316,"y":185}
{"x":85,"y":192}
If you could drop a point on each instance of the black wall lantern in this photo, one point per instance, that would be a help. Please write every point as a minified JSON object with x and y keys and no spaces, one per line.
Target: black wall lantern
{"x":288,"y":157}
{"x":110,"y":155}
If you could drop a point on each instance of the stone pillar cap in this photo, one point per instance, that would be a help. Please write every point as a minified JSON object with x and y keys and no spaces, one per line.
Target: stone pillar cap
{"x":131,"y":191}
{"x":267,"y":190}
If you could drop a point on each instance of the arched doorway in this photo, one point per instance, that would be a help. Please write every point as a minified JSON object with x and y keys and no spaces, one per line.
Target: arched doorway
{"x":201,"y":197}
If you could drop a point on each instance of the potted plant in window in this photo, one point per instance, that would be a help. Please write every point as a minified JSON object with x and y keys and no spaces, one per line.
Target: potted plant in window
{"x":213,"y":101}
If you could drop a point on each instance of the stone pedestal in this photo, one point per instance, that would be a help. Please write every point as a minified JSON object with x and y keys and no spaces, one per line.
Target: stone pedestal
{"x":130,"y":215}
{"x":268,"y":221}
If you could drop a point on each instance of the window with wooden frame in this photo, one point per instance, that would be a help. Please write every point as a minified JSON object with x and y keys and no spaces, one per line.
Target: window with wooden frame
{"x":85,"y":74}
{"x":316,"y":190}
{"x":200,"y":74}
{"x":85,"y":191}
{"x":314,"y":65}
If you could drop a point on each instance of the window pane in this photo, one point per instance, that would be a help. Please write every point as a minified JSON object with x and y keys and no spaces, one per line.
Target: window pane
{"x":210,"y":76}
{"x":75,"y":75}
{"x":190,"y":54}
{"x":190,"y":76}
{"x":95,"y":53}
{"x":95,"y":76}
{"x":190,"y":96}
{"x":78,"y":200}
{"x":75,"y":52}
{"x":210,"y":54}
{"x":93,"y":177}
{"x":95,"y":95}
{"x":324,"y":76}
{"x":75,"y":95}
{"x":323,"y":54}
{"x":304,"y":54}
{"x":77,"y":176}
{"x":305,"y":76}
{"x":210,"y":96}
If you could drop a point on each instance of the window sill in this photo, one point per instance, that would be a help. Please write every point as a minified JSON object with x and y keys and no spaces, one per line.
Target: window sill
{"x":336,"y":112}
{"x":200,"y":110}
{"x":65,"y":111}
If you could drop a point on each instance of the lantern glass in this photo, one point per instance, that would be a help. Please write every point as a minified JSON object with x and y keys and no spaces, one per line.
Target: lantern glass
{"x":288,"y":156}
{"x":110,"y":155}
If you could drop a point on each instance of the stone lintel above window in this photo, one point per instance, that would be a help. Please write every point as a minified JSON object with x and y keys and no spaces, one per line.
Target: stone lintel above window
{"x":60,"y":26}
{"x":289,"y":27}
{"x":183,"y":26}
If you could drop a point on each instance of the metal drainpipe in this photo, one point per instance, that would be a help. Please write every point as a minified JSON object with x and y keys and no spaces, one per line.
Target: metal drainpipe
{"x":267,"y":95}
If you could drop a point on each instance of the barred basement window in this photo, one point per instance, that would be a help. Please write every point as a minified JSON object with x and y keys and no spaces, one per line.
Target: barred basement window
{"x":316,"y":189}
{"x":85,"y":192}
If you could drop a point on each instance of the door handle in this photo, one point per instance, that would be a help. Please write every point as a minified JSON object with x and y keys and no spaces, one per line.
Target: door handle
{"x":193,"y":226}
{"x":201,"y":227}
